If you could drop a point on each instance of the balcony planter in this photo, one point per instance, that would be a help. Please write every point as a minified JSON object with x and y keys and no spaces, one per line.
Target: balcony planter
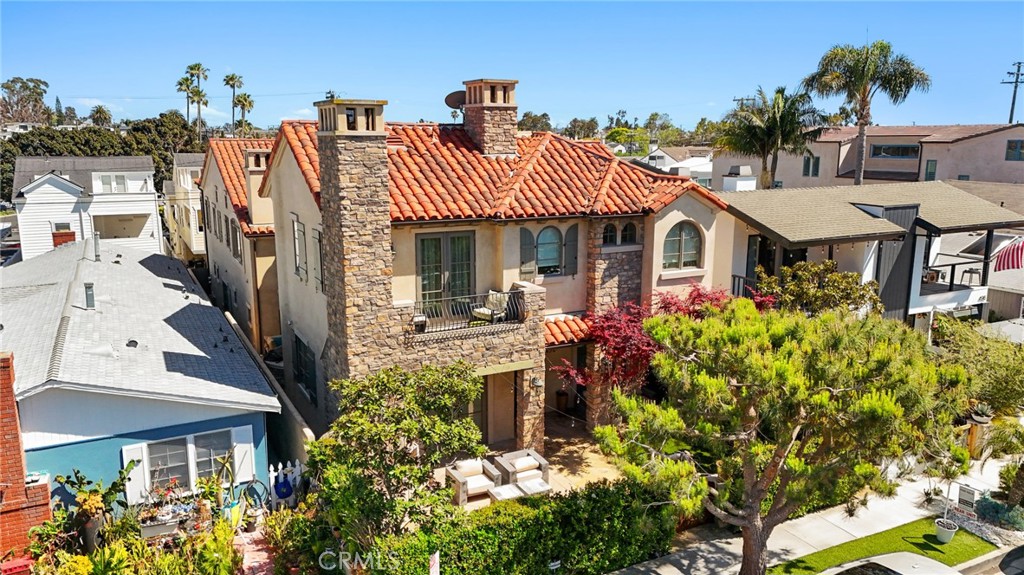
{"x":419,"y":322}
{"x":945,"y":530}
{"x":159,"y":528}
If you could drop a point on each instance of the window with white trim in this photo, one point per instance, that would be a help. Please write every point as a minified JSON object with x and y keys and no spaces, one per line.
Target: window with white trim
{"x":107,"y":184}
{"x":299,"y":246}
{"x":188,"y":458}
{"x":682,"y":248}
{"x":122,"y":184}
{"x":61,"y":226}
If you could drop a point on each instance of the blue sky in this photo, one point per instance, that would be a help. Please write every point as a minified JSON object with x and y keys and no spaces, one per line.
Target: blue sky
{"x":686,"y":59}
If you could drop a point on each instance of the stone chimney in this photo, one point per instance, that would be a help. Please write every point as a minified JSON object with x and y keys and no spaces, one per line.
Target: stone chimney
{"x":23,"y":504}
{"x":491,"y":115}
{"x":355,"y":205}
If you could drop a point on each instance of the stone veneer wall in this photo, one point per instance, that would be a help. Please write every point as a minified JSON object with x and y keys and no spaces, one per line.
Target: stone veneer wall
{"x":366,"y":332}
{"x":492,"y":127}
{"x":613,"y":279}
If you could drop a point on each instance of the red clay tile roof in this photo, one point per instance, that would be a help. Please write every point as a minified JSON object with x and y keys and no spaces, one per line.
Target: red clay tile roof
{"x":229,"y":153}
{"x":565,"y":329}
{"x":436,"y":172}
{"x":949,"y":133}
{"x":301,"y":138}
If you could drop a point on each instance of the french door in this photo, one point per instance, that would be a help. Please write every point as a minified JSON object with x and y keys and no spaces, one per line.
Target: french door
{"x":445,"y":266}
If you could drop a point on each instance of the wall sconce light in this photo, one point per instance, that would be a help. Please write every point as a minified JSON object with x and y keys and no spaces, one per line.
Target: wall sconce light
{"x":536,"y":381}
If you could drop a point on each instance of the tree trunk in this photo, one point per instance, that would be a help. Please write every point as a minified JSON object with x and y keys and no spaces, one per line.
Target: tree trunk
{"x":1016,"y":493}
{"x":764,"y":181}
{"x":774,"y":169}
{"x":234,"y":128}
{"x":862,"y":148}
{"x":755,"y":548}
{"x":188,"y":109}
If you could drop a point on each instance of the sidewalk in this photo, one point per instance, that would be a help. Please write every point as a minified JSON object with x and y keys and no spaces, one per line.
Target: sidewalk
{"x":713,"y":551}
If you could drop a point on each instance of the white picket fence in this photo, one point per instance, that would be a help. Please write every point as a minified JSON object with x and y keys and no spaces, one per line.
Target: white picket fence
{"x":285,"y":472}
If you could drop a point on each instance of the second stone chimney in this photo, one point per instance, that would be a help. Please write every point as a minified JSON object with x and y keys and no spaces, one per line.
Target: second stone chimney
{"x":491,"y":115}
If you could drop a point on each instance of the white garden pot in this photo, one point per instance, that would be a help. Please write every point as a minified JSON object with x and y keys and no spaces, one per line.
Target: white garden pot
{"x":945,"y":530}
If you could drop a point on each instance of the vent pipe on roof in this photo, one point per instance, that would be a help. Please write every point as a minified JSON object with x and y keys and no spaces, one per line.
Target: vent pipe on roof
{"x":96,"y":245}
{"x":90,"y":296}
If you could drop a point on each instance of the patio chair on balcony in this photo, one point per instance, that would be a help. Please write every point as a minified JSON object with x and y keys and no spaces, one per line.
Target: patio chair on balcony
{"x":495,"y":307}
{"x":471,"y":477}
{"x":522,"y":466}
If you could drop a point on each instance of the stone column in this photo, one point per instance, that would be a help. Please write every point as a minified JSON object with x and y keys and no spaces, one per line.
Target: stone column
{"x":599,"y":392}
{"x":530,"y":398}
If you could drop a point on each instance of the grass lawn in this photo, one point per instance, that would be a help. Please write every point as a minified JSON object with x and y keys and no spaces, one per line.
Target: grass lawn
{"x":917,"y":537}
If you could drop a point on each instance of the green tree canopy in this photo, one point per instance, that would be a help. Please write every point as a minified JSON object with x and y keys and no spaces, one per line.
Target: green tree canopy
{"x":782,"y":407}
{"x":23,"y":101}
{"x":995,"y":365}
{"x":395,"y":427}
{"x":580,"y":129}
{"x":779,"y":123}
{"x":857,"y":74}
{"x":814,"y":287}
{"x":535,"y":122}
{"x":100,"y":116}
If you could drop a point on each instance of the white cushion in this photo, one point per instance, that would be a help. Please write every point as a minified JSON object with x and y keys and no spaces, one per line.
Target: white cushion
{"x":528,"y":475}
{"x":525,"y":463}
{"x":496,"y":301}
{"x":478,"y":484}
{"x":470,"y":467}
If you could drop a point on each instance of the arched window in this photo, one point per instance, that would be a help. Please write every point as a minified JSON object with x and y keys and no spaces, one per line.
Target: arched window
{"x":629,"y":234}
{"x":549,"y":251}
{"x":608,"y":235}
{"x":683,"y":247}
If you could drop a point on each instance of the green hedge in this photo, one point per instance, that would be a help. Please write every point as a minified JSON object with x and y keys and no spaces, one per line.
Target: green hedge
{"x":604,"y":527}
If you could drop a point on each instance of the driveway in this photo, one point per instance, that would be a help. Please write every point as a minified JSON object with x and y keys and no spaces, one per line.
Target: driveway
{"x":1012,"y":564}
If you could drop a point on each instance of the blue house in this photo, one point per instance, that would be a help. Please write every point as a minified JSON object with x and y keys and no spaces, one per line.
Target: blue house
{"x":119,"y":356}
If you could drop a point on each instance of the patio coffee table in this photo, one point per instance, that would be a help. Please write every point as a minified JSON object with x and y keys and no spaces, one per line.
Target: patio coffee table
{"x":534,"y":487}
{"x":504,"y":492}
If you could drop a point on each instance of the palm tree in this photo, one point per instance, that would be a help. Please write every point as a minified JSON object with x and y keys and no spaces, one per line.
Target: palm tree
{"x":772,"y":124}
{"x":185,"y":86}
{"x":233,"y":81}
{"x":245,"y":104}
{"x":199,"y":97}
{"x":858,"y":74}
{"x":100,"y":116}
{"x":198,"y":73}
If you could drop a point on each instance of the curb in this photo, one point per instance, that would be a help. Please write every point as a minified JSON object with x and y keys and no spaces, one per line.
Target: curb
{"x":983,"y":563}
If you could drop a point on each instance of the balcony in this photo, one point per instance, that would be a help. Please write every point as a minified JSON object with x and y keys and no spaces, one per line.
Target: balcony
{"x":436,"y":315}
{"x":743,"y":286}
{"x":953,"y":285}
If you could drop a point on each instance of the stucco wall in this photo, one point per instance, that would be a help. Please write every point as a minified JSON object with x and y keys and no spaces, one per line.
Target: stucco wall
{"x":982,"y":158}
{"x":100,"y":459}
{"x":685,"y":208}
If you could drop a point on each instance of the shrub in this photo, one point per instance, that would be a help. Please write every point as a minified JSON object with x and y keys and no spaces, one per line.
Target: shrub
{"x":1006,"y":516}
{"x":74,"y":565}
{"x":598,"y":529}
{"x":217,"y":554}
{"x":1006,"y":476}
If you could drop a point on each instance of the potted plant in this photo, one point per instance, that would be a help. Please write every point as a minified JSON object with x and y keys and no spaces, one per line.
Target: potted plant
{"x":90,"y":515}
{"x":982,"y":413}
{"x":948,"y":465}
{"x":94,"y":502}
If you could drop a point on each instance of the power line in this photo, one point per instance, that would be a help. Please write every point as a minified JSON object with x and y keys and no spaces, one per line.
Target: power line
{"x":1016,"y":82}
{"x":228,"y":97}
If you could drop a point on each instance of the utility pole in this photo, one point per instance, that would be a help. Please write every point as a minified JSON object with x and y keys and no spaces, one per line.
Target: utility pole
{"x":743,"y":101}
{"x":1016,"y":82}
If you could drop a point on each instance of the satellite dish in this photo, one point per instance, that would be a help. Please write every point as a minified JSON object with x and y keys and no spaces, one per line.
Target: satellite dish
{"x":456,"y":100}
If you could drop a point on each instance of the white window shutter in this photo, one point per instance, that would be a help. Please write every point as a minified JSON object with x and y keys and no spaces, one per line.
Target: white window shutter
{"x":138,"y":480}
{"x":244,"y":458}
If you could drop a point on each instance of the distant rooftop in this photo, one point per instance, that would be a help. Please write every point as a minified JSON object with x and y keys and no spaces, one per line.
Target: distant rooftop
{"x":78,"y":169}
{"x":152,"y":333}
{"x":927,"y":134}
{"x":189,"y":160}
{"x":800,"y":217}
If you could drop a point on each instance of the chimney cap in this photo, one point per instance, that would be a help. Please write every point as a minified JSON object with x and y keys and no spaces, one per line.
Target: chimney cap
{"x":490,"y":81}
{"x":350,"y":102}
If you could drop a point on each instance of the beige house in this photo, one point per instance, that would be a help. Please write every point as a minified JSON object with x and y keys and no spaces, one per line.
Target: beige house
{"x":405,"y":244}
{"x":985,"y":152}
{"x":240,"y":235}
{"x":183,"y":209}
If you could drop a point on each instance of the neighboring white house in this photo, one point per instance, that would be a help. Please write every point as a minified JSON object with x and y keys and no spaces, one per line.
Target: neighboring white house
{"x":66,"y":199}
{"x":183,"y":208}
{"x":693,"y":161}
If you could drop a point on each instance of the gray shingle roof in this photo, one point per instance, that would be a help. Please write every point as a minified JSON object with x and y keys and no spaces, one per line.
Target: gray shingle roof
{"x":189,"y":160}
{"x":812,"y":216}
{"x":185,"y":350}
{"x":1009,"y":196}
{"x":77,"y":169}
